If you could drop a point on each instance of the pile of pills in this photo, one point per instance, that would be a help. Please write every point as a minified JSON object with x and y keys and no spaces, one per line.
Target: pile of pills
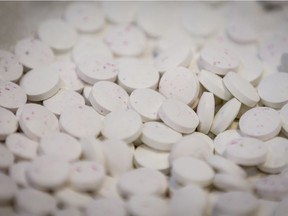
{"x":147,"y":109}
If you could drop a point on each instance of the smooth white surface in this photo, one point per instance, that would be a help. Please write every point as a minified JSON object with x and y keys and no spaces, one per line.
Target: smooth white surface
{"x":10,"y":67}
{"x":102,"y":207}
{"x":8,"y":188}
{"x":7,"y":158}
{"x":8,"y":123}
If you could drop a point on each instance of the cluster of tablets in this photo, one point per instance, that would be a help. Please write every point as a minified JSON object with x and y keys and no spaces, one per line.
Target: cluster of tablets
{"x":147,"y":109}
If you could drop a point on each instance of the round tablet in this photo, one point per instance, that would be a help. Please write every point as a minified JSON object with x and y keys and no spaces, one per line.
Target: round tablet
{"x":246,"y":151}
{"x":36,"y":202}
{"x":108,"y":189}
{"x":33,"y":53}
{"x":205,"y":112}
{"x":284,"y":118}
{"x":219,"y":59}
{"x":92,"y":149}
{"x":173,"y":57}
{"x":60,"y":145}
{"x":151,"y":158}
{"x":178,"y":116}
{"x":36,"y":121}
{"x":241,"y":89}
{"x":102,"y":207}
{"x":181,"y":84}
{"x":227,"y":182}
{"x":159,"y":136}
{"x":18,"y":173}
{"x":225,"y":116}
{"x":214,"y":84}
{"x":12,"y":96}
{"x":142,"y":181}
{"x":80,"y":121}
{"x":236,"y":203}
{"x":10,"y":67}
{"x":8,"y":123}
{"x":21,"y":146}
{"x":107,"y":96}
{"x":84,"y":16}
{"x":48,"y":172}
{"x":41,"y":83}
{"x":126,"y":40}
{"x":260,"y":122}
{"x":146,"y":102}
{"x":275,"y":96}
{"x":95,"y":68}
{"x":123,"y":125}
{"x":6,"y":157}
{"x":86,"y":92}
{"x":63,"y":99}
{"x":8,"y":188}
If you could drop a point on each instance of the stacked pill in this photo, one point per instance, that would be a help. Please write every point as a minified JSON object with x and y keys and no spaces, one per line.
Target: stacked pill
{"x":147,"y":109}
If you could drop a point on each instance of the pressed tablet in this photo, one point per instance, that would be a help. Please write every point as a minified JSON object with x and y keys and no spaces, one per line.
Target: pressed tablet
{"x":36,"y":121}
{"x":107,"y":96}
{"x":63,"y":99}
{"x":8,"y":188}
{"x":57,"y":34}
{"x":181,"y":84}
{"x":92,"y":149}
{"x":10,"y":67}
{"x":126,"y":40}
{"x":275,"y":96}
{"x":85,"y":17}
{"x":225,"y":116}
{"x":146,"y":102}
{"x":284,"y":118}
{"x":102,"y":207}
{"x":8,"y":123}
{"x":33,"y":53}
{"x":108,"y":189}
{"x":18,"y":173}
{"x":159,"y":136}
{"x":227,"y":182}
{"x":124,"y":125}
{"x":41,"y":83}
{"x":6,"y":158}
{"x":260,"y":122}
{"x":205,"y":112}
{"x":86,"y":92}
{"x":241,"y":89}
{"x":80,"y":121}
{"x":178,"y":116}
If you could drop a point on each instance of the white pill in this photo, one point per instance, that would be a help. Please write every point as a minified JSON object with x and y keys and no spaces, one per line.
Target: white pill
{"x":6,"y":158}
{"x":260,"y":122}
{"x":10,"y":67}
{"x":196,"y":145}
{"x":8,"y":188}
{"x":189,"y":200}
{"x":86,"y":92}
{"x":18,"y":173}
{"x":86,"y":175}
{"x":68,"y":198}
{"x":173,"y":57}
{"x":8,"y":123}
{"x":126,"y":40}
{"x":60,"y":145}
{"x":80,"y":121}
{"x":85,"y":17}
{"x":151,"y":158}
{"x":33,"y":53}
{"x":41,"y":83}
{"x":107,"y":96}
{"x":246,"y":151}
{"x":63,"y":99}
{"x":178,"y":116}
{"x":108,"y":189}
{"x":266,"y":208}
{"x":12,"y":96}
{"x":36,"y":121}
{"x":225,"y":166}
{"x":214,"y":84}
{"x":123,"y":125}
{"x":275,"y":96}
{"x":146,"y":102}
{"x":21,"y":146}
{"x":67,"y":212}
{"x":34,"y":202}
{"x":95,"y":68}
{"x":57,"y":34}
{"x":92,"y":149}
{"x":219,"y":59}
{"x":225,"y":116}
{"x":106,"y":206}
{"x":147,"y":206}
{"x":159,"y":136}
{"x":241,"y":89}
{"x":236,"y":203}
{"x":118,"y":157}
{"x":284,"y":118}
{"x":48,"y":172}
{"x":205,"y":112}
{"x":227,"y":182}
{"x":142,"y":181}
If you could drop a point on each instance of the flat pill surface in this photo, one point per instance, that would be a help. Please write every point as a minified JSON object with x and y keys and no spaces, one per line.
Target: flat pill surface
{"x":7,"y":157}
{"x":205,"y":112}
{"x":10,"y":67}
{"x":8,"y":123}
